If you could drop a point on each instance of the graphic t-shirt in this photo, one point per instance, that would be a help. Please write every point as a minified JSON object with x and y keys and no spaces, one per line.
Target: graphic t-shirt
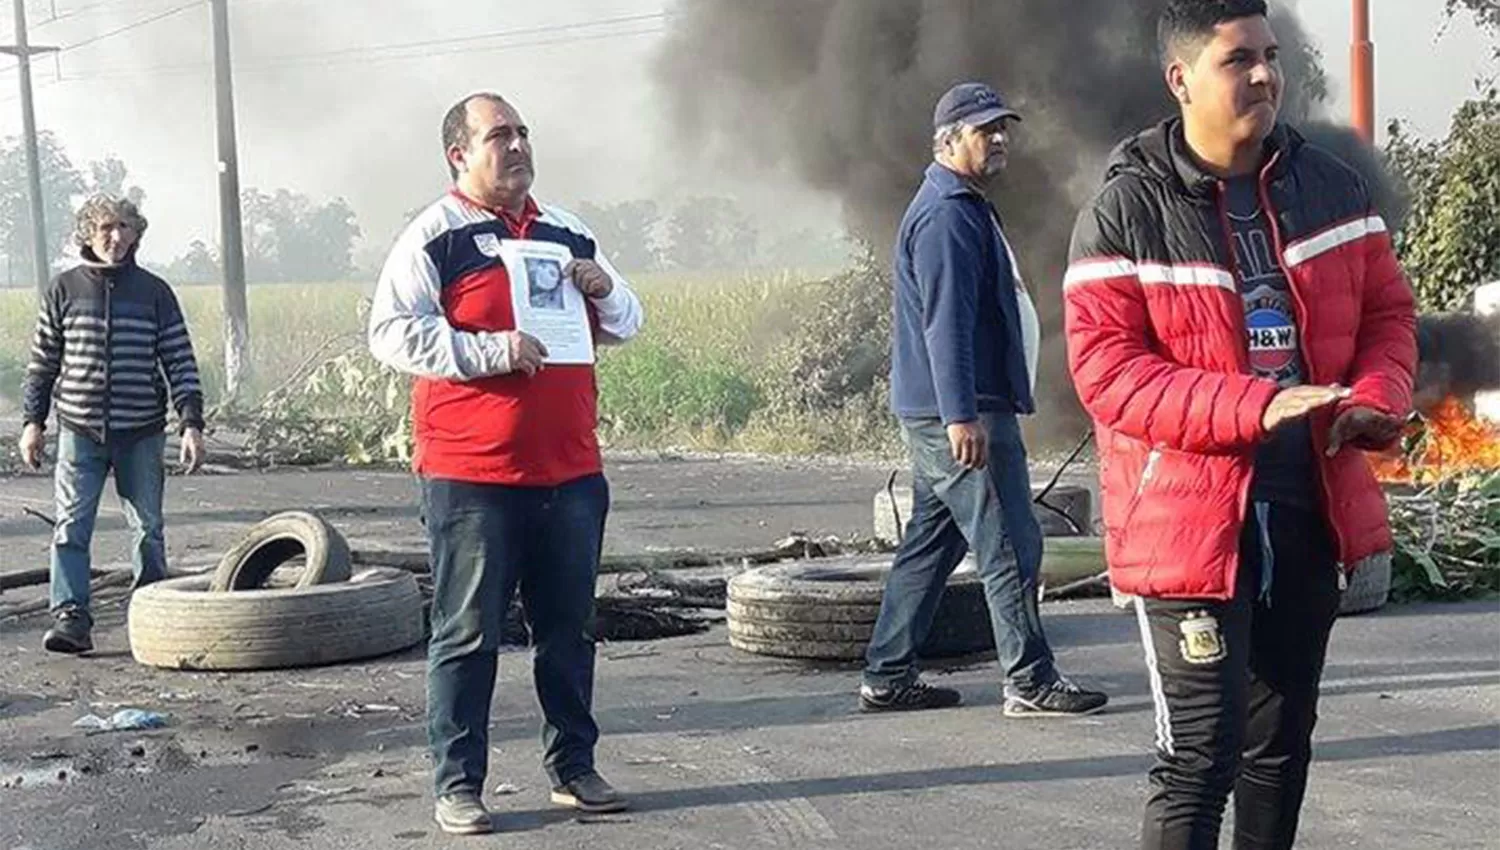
{"x":1284,"y":467}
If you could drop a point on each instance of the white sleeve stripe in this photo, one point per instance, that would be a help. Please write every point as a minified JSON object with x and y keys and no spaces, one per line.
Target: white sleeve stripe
{"x":1303,"y":250}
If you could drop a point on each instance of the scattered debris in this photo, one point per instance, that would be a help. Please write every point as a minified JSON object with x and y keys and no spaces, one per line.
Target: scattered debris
{"x":354,"y":709}
{"x":318,"y":791}
{"x":126,"y":719}
{"x":621,"y":656}
{"x":1090,"y":583}
{"x":601,"y":819}
{"x":104,"y":580}
{"x":241,"y":813}
{"x":505,"y":789}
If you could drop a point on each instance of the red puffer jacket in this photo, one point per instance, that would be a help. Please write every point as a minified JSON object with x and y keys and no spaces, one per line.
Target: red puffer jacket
{"x":1158,"y":352}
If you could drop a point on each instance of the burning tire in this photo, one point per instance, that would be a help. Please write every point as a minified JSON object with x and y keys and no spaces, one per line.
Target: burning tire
{"x":181,"y":624}
{"x":280,"y":538}
{"x":826,"y":609}
{"x":1068,"y":512}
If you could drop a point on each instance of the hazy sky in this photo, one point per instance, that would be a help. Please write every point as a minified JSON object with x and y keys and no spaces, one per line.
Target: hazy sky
{"x":344,"y":97}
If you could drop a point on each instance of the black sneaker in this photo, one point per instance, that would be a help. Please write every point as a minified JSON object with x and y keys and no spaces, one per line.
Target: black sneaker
{"x":914,"y":696}
{"x":69,"y":633}
{"x":1059,"y":699}
{"x":589,"y":793}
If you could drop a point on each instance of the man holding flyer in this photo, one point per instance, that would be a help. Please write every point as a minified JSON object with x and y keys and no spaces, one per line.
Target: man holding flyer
{"x":504,"y":414}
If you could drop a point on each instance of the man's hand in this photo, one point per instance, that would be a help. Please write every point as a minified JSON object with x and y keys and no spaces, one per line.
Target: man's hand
{"x":1363,"y":428}
{"x":590,"y":279}
{"x":33,"y":445}
{"x":526,"y":352}
{"x":970,"y":444}
{"x":1296,"y":402}
{"x":192,"y":451}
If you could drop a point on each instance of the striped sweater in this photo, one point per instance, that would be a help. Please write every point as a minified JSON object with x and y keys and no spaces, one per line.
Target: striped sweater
{"x":110,"y":346}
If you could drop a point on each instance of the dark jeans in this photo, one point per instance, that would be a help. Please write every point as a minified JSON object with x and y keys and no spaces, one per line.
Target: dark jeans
{"x":140,"y":477}
{"x":1236,"y":690}
{"x":955,"y":510}
{"x":487,"y":540}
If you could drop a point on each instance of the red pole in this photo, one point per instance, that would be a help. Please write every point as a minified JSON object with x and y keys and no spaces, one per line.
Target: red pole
{"x":1362,"y":73}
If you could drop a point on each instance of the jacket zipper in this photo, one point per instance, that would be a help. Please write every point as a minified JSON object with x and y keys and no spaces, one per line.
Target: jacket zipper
{"x":1152,"y":458}
{"x":1301,"y":307}
{"x":1148,"y":471}
{"x":1234,"y":267}
{"x":109,"y":288}
{"x":1243,"y":349}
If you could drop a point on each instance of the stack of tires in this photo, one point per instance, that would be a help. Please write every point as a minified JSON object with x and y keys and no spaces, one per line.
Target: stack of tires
{"x":231,"y":620}
{"x":826,"y":608}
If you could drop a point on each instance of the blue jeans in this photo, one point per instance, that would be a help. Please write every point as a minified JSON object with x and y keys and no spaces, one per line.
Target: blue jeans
{"x":487,"y":541}
{"x":955,"y":510}
{"x":140,"y":477}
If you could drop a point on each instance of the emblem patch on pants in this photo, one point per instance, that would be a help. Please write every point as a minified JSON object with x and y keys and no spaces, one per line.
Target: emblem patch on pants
{"x":1202,"y":642}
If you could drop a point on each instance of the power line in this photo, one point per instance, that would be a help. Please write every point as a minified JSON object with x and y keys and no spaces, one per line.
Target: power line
{"x":344,"y":56}
{"x":128,"y":27}
{"x":78,"y":10}
{"x":360,"y":55}
{"x":438,"y":42}
{"x":358,"y":51}
{"x":119,"y":30}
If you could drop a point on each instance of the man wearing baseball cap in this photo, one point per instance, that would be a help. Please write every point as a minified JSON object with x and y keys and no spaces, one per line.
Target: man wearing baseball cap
{"x":963,"y":369}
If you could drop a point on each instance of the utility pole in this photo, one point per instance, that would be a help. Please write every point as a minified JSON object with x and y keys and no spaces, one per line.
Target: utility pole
{"x":23,"y":50}
{"x":1362,"y":73}
{"x":231,"y":236}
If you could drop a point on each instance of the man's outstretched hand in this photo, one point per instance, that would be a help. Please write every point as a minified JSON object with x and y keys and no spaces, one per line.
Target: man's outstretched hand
{"x":1293,"y":403}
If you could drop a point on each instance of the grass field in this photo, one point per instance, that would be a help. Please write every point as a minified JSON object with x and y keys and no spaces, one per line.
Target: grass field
{"x":708,"y":372}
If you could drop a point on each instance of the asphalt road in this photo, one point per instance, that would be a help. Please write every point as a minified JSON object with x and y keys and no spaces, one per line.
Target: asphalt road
{"x":720,"y":749}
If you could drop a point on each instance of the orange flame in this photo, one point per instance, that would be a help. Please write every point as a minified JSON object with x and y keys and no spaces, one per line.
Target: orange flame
{"x":1450,"y":442}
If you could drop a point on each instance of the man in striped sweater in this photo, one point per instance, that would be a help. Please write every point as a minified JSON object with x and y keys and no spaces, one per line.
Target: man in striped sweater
{"x":111,"y":345}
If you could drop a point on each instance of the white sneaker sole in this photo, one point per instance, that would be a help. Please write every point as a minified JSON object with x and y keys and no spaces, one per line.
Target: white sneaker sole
{"x":465,"y":828}
{"x":1028,"y":712}
{"x":563,"y":798}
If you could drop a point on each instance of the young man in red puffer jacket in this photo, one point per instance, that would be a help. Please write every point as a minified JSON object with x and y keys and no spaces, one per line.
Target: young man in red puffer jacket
{"x":1238,"y":329}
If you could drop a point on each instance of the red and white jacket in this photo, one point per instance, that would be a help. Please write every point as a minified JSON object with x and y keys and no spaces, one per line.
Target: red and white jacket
{"x":439,"y":309}
{"x":1158,"y":353}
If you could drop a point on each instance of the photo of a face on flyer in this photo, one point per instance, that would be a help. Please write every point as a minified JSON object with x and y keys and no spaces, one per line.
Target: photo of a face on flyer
{"x":546,"y":289}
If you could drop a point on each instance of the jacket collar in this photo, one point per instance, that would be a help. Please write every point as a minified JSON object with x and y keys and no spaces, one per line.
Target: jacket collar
{"x":94,"y":265}
{"x":948,"y":184}
{"x":1162,"y":152}
{"x":530,"y":211}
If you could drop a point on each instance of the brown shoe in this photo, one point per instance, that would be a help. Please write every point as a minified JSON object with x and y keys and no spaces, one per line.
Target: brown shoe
{"x":589,"y":793}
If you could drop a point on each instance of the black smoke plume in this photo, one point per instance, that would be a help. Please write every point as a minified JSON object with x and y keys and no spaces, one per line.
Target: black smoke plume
{"x":840,"y":93}
{"x":1457,"y":354}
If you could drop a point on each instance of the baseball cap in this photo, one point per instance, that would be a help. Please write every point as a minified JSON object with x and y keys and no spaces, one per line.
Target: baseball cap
{"x":972,"y":103}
